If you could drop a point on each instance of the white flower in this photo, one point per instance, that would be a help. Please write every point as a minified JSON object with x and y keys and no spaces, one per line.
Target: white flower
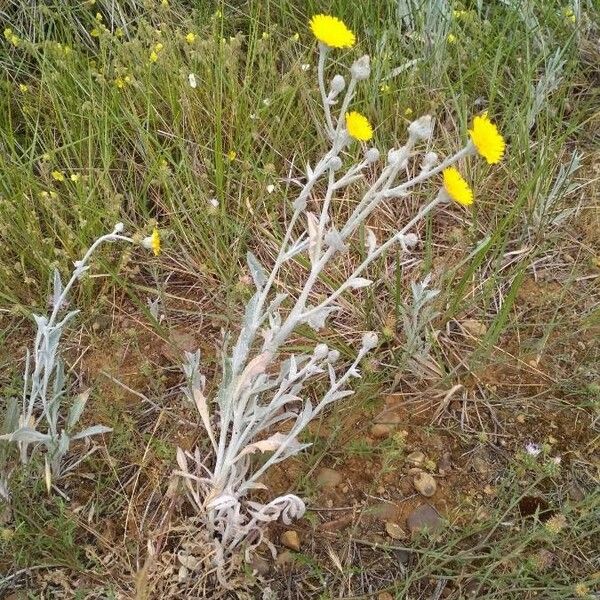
{"x":361,"y":69}
{"x":305,"y":67}
{"x":192,"y":80}
{"x":333,"y":356}
{"x":213,"y":202}
{"x":253,"y":116}
{"x":267,"y":101}
{"x":270,"y":188}
{"x":410,"y":240}
{"x":422,"y":128}
{"x":533,"y":449}
{"x":119,"y":227}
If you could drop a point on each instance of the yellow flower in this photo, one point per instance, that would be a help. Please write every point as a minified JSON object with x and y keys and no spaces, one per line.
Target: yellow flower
{"x":408,"y":112}
{"x":158,"y":47}
{"x":164,"y":2}
{"x":384,"y":88}
{"x":332,"y":32}
{"x":570,"y":15}
{"x":75,"y":177}
{"x":190,"y":38}
{"x":358,"y":126}
{"x":23,"y":88}
{"x":119,"y":32}
{"x":153,"y":56}
{"x":266,"y":35}
{"x":231,"y":155}
{"x":58,"y":175}
{"x":459,"y":14}
{"x":296,"y":37}
{"x":127,"y":79}
{"x":456,"y":187}
{"x":11,"y":37}
{"x":120,"y":83}
{"x":451,"y":38}
{"x":99,"y":17}
{"x":487,"y":139}
{"x":96,"y":32}
{"x":155,"y":241}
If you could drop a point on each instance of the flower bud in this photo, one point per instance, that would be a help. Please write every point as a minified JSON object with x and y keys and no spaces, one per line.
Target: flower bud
{"x":321,"y":351}
{"x":119,"y":227}
{"x":370,"y":340}
{"x":361,"y":69}
{"x":410,"y":240}
{"x":147,"y":242}
{"x":335,"y":163}
{"x":422,"y":128}
{"x":429,"y":161}
{"x":372,"y":155}
{"x":333,"y":356}
{"x":338,"y":83}
{"x":394,"y":156}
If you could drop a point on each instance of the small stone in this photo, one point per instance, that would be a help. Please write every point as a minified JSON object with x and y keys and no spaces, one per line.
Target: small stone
{"x":328,"y":478}
{"x":395,"y":531}
{"x":425,"y":484}
{"x":416,"y":458}
{"x":445,"y":464}
{"x":380,"y":431}
{"x":423,"y":517}
{"x":384,"y":596}
{"x":290,"y":539}
{"x":285,"y":558}
{"x":474,"y":327}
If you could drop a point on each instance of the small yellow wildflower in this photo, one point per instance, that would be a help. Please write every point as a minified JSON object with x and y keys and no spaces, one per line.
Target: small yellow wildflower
{"x":231,"y":155}
{"x":158,"y":47}
{"x":120,"y":82}
{"x":451,"y":38}
{"x":332,"y":32}
{"x":296,"y":37}
{"x":384,"y":88}
{"x":127,"y":79}
{"x":570,"y":15}
{"x":408,"y":112}
{"x":119,"y":32}
{"x":11,"y":37}
{"x":460,"y":14}
{"x":99,"y":17}
{"x":164,"y":3}
{"x":75,"y":177}
{"x":218,"y":14}
{"x":456,"y":187}
{"x":96,"y":32}
{"x":266,"y":35}
{"x":190,"y":38}
{"x":46,"y":157}
{"x":155,"y":241}
{"x":358,"y":126}
{"x":153,"y":56}
{"x":58,"y":175}
{"x":486,"y":138}
{"x":23,"y":88}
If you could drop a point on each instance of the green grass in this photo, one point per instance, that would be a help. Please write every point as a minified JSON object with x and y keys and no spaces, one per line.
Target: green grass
{"x":156,"y":151}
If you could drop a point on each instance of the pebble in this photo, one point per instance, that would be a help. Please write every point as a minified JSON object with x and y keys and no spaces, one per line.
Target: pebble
{"x":445,"y":464}
{"x":474,"y":327}
{"x":384,"y":596}
{"x":425,"y":484}
{"x":290,"y":539}
{"x":395,"y":531}
{"x":380,"y":431}
{"x":328,"y":478}
{"x":416,"y":458}
{"x":423,"y":517}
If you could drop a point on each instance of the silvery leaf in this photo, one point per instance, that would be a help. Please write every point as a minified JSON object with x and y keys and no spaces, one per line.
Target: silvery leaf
{"x":26,"y":434}
{"x":89,"y":431}
{"x":256,"y":270}
{"x":58,"y":288}
{"x":77,"y":408}
{"x":371,"y":241}
{"x":316,"y":320}
{"x":335,"y":241}
{"x":359,"y":282}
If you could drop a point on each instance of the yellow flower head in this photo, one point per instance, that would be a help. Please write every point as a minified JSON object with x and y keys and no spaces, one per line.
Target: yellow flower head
{"x":155,"y":241}
{"x":358,"y":126}
{"x":75,"y":177}
{"x":332,"y":32}
{"x":58,"y":175}
{"x":153,"y":56}
{"x":231,"y":155}
{"x":23,"y":88}
{"x":487,"y":139}
{"x":456,"y":187}
{"x":451,"y":38}
{"x":190,"y":38}
{"x":296,"y":37}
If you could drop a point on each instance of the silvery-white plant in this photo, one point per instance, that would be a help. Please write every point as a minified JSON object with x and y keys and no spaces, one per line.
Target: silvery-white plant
{"x":43,"y":420}
{"x":259,"y":406}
